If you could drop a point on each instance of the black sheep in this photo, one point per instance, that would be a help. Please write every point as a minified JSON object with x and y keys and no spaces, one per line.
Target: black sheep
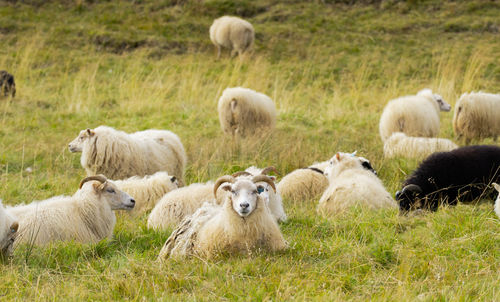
{"x":445,"y":177}
{"x":7,"y":83}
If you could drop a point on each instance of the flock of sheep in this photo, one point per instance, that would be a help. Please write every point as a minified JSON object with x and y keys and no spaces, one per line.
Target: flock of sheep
{"x":144,"y":171}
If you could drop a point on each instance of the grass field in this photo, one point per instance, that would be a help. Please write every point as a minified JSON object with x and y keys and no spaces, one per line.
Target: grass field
{"x":330,"y":66}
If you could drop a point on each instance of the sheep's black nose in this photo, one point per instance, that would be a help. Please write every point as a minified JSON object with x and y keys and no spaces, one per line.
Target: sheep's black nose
{"x":244,"y":205}
{"x":132,"y":201}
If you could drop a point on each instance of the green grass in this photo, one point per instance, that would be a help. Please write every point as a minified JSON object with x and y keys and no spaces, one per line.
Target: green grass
{"x":330,"y":66}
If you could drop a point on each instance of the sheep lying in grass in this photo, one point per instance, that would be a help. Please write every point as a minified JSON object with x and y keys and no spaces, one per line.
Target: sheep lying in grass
{"x":477,"y":116}
{"x":415,"y":115}
{"x":242,"y":224}
{"x":463,"y":174}
{"x":304,"y":184}
{"x":148,"y":190}
{"x":8,"y":232}
{"x":119,"y":155}
{"x":497,"y":202}
{"x":352,"y":184}
{"x":7,"y":83}
{"x":399,"y":144}
{"x":233,"y":33}
{"x":272,"y":197}
{"x":243,"y":112}
{"x":86,"y":217}
{"x":178,"y":204}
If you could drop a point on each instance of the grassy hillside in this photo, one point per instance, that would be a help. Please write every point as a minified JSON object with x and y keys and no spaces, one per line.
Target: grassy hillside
{"x":330,"y":66}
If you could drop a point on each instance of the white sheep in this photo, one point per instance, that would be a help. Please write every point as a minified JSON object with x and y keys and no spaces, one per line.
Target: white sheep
{"x":497,"y":202}
{"x":304,"y":184}
{"x":148,"y":190}
{"x":86,"y":217}
{"x":242,"y":224}
{"x":243,"y":111}
{"x":233,"y":33}
{"x":415,"y":115}
{"x":477,"y":116}
{"x":351,"y":184}
{"x":119,"y":155}
{"x":399,"y":144}
{"x":8,"y":232}
{"x":177,"y":204}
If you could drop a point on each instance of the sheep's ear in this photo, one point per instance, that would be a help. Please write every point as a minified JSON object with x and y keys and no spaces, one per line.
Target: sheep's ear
{"x":99,"y":187}
{"x":337,"y":156}
{"x":273,"y":178}
{"x":496,"y":186}
{"x":173,"y":179}
{"x":14,"y":227}
{"x":90,"y":132}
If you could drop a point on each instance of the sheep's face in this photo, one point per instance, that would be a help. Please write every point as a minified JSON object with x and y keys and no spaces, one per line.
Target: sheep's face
{"x":8,"y":234}
{"x":117,"y":199}
{"x":244,"y":196}
{"x":77,"y":144}
{"x":443,"y":106}
{"x":409,"y":198}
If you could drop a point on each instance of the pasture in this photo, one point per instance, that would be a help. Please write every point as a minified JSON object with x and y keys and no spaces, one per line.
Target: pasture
{"x":330,"y":67}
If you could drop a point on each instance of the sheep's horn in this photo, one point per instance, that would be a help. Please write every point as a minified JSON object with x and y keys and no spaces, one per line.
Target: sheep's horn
{"x":221,"y":180}
{"x":99,"y":177}
{"x":411,"y":188}
{"x":266,"y":171}
{"x":241,"y":173}
{"x":316,"y":170}
{"x":264,"y":178}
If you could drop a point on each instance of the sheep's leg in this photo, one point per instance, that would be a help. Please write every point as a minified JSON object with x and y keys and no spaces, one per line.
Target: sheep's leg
{"x":218,"y":51}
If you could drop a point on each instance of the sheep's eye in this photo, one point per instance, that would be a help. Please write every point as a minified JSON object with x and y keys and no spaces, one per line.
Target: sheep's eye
{"x":260,"y":189}
{"x":110,"y":190}
{"x":234,"y":192}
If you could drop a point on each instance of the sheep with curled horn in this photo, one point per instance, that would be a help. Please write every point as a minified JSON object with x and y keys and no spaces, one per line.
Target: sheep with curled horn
{"x":178,"y":204}
{"x":86,"y":217}
{"x":243,"y":223}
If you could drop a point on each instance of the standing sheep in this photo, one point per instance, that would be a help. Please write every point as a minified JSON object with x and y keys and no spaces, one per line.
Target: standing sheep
{"x":8,"y":232}
{"x":446,"y":177}
{"x":477,"y":116}
{"x":119,"y":155}
{"x":242,"y":224}
{"x":147,"y":191}
{"x":233,"y":33}
{"x":243,"y":112}
{"x":352,"y":184}
{"x":415,"y":115}
{"x":86,"y":217}
{"x":497,"y":202}
{"x":7,"y":83}
{"x":399,"y":144}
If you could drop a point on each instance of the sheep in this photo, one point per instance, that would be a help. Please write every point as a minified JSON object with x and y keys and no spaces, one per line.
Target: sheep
{"x":147,"y":191}
{"x":477,"y":116}
{"x":242,"y":223}
{"x":304,"y":184}
{"x":85,"y":217}
{"x":8,"y":232}
{"x":177,"y":204}
{"x":7,"y":83}
{"x":462,"y":174}
{"x":497,"y":202}
{"x":415,"y":115}
{"x":351,"y":184}
{"x":119,"y":155}
{"x":243,"y":112}
{"x":233,"y":33}
{"x":399,"y":144}
{"x":272,"y":197}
